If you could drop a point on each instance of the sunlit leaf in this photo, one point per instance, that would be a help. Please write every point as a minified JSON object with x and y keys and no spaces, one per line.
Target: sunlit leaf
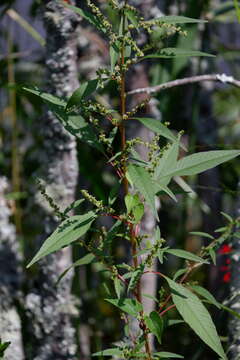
{"x":167,"y":355}
{"x":143,"y":182}
{"x":173,"y":19}
{"x":130,"y":306}
{"x":171,"y":53}
{"x":156,"y":126}
{"x":86,"y":89}
{"x":206,"y":295}
{"x":196,"y":316}
{"x":199,"y":162}
{"x":68,"y":231}
{"x":155,"y":324}
{"x":186,"y":255}
{"x":109,"y":352}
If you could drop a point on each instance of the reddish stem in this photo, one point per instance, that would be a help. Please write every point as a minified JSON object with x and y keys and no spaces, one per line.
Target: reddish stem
{"x":169,"y":308}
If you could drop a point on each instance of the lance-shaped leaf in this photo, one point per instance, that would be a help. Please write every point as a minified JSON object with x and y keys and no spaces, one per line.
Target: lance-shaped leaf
{"x":78,"y":127}
{"x":91,"y":18}
{"x":199,"y":162}
{"x":132,"y":17}
{"x":171,"y":53}
{"x":186,"y":255}
{"x":130,"y":306}
{"x":167,"y":355}
{"x":85,"y":90}
{"x":109,"y":352}
{"x":172,"y":19}
{"x":166,"y":162}
{"x":68,"y":231}
{"x":196,"y":316}
{"x":114,"y":54}
{"x":155,"y":324}
{"x":143,"y":182}
{"x":157,"y":127}
{"x":206,"y":295}
{"x":48,"y":98}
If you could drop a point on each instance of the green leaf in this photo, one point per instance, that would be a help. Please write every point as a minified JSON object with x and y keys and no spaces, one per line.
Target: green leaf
{"x":109,"y":352}
{"x":196,"y":316}
{"x":199,"y":162}
{"x":179,"y":273}
{"x":117,"y":286}
{"x":74,"y":205}
{"x":172,"y":19}
{"x":48,"y":98}
{"x":68,"y":231}
{"x":155,"y":324}
{"x":132,"y":17}
{"x":212,"y":254}
{"x":228,"y":217}
{"x":85,"y":260}
{"x":138,"y":212}
{"x":113,"y":195}
{"x":111,"y":234}
{"x":206,"y":295}
{"x":237,"y":7}
{"x":134,"y":206}
{"x":168,"y":160}
{"x":86,"y":89}
{"x":130,"y":306}
{"x":162,"y":188}
{"x":171,"y":53}
{"x":78,"y":127}
{"x":91,"y":18}
{"x":151,"y":297}
{"x":131,"y":201}
{"x":157,"y":235}
{"x":114,"y":55}
{"x":157,"y":127}
{"x":143,"y":182}
{"x":186,"y":255}
{"x":202,"y":234}
{"x":165,"y":354}
{"x":3,"y":347}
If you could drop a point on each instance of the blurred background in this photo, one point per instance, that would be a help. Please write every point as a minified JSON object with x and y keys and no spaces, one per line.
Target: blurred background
{"x":43,"y":44}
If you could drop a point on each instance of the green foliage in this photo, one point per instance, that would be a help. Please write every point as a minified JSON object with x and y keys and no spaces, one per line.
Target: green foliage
{"x":196,"y":316}
{"x":84,"y":117}
{"x":68,"y":231}
{"x":3,"y":347}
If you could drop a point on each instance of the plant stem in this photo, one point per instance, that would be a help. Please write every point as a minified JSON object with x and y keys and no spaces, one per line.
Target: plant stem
{"x":122,"y":129}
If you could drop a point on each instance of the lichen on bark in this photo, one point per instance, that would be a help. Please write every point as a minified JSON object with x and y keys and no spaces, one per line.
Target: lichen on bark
{"x":10,"y":279}
{"x":50,"y":309}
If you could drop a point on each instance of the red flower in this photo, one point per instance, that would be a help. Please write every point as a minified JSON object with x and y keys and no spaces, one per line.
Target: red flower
{"x":227,"y":277}
{"x":225,"y":249}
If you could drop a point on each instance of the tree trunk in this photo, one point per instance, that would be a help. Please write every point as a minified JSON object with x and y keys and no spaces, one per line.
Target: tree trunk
{"x":10,"y":324}
{"x":49,"y":308}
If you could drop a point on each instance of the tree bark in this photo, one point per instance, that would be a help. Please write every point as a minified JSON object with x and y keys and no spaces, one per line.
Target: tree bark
{"x":10,"y":323}
{"x":49,"y":308}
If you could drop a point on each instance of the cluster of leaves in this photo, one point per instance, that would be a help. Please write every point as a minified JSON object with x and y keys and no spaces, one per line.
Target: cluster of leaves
{"x":83,"y":116}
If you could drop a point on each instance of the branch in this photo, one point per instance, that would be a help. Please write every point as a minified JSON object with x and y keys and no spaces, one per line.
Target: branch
{"x":223,"y":78}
